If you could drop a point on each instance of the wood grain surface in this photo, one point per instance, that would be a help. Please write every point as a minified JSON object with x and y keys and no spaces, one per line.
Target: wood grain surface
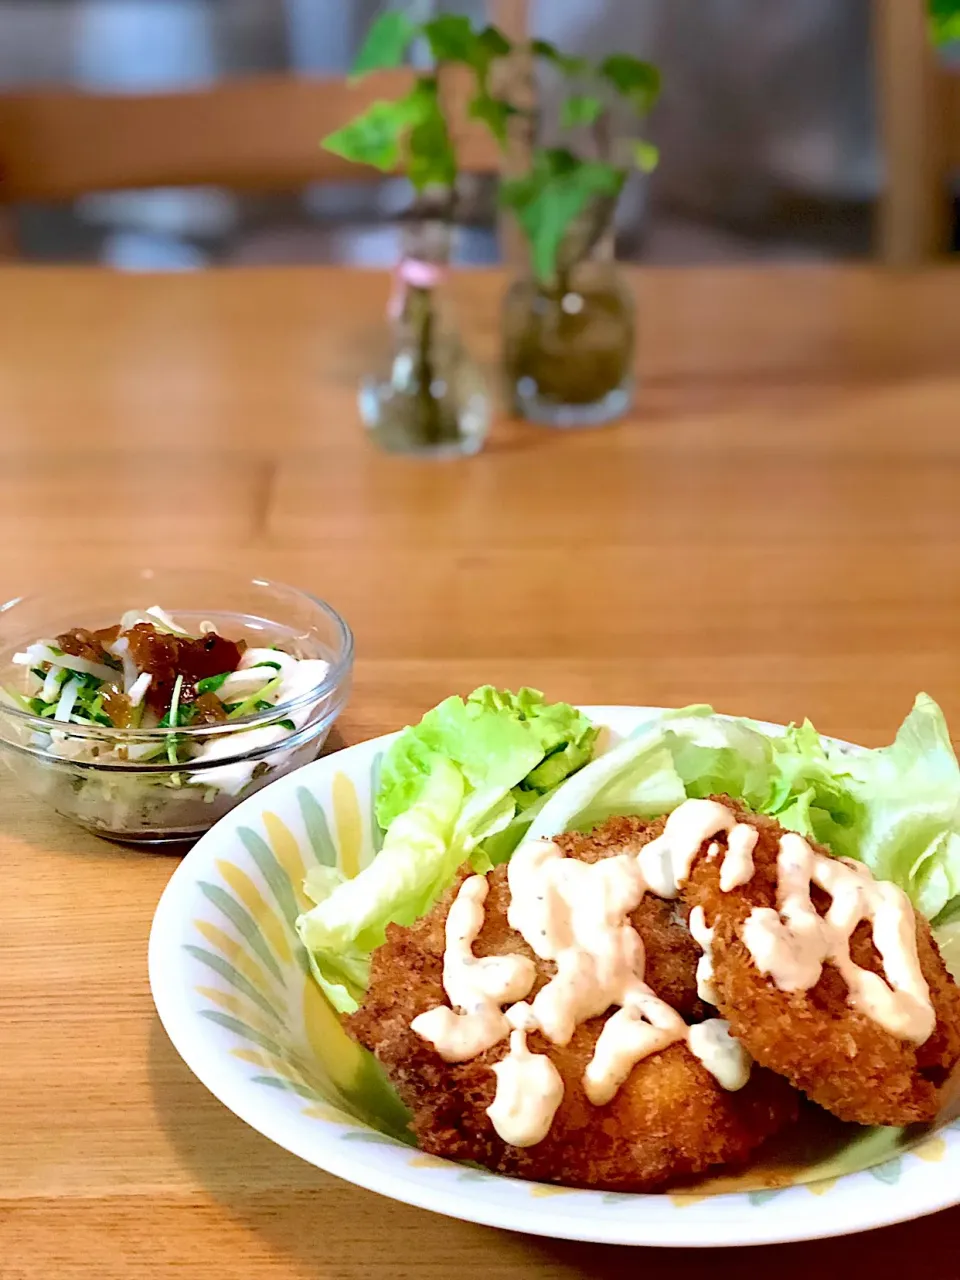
{"x":775,"y":530}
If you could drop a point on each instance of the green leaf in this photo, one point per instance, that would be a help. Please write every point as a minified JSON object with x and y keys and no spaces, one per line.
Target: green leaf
{"x":564,"y":63}
{"x":493,"y":43}
{"x":580,"y":109}
{"x":386,"y":43}
{"x":431,"y":160}
{"x":944,"y":21}
{"x":210,"y":684}
{"x":561,"y":160}
{"x":494,"y":113}
{"x":550,"y":199}
{"x":633,"y":79}
{"x":373,"y":138}
{"x":452,"y":39}
{"x":645,"y":155}
{"x":412,"y":129}
{"x":430,"y":156}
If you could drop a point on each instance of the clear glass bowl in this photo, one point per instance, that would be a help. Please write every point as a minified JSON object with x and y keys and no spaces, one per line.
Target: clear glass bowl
{"x":160,"y":802}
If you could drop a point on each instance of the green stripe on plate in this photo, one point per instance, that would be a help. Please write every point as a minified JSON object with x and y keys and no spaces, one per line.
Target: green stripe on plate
{"x":234,"y":977}
{"x":244,"y":921}
{"x":318,"y":829}
{"x":241,"y":1029}
{"x":273,"y":873}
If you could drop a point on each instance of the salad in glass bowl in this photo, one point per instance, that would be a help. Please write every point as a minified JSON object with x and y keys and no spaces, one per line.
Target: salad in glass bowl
{"x":148,"y":723}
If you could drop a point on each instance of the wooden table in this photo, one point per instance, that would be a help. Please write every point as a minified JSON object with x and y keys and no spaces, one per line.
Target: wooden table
{"x":776,"y":531}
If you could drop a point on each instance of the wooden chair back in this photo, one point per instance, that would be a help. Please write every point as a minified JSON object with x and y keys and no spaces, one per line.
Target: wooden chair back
{"x":918,"y":101}
{"x":261,"y":133}
{"x":255,"y":134}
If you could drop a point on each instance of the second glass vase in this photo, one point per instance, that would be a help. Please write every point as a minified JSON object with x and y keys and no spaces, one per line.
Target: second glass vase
{"x":569,"y":346}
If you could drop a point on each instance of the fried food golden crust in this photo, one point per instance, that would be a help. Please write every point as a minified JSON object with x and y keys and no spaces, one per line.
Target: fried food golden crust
{"x":669,"y":1120}
{"x":840,"y":1058}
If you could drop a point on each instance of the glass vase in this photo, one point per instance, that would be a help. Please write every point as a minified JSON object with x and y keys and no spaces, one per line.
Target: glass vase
{"x":569,"y":345}
{"x":429,"y":398}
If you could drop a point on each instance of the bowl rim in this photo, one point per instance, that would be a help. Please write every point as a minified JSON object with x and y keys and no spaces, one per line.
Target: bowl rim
{"x":333,"y":679}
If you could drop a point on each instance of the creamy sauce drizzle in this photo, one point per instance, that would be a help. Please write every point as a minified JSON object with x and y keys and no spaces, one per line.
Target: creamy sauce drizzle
{"x":791,"y":944}
{"x":723,"y":1056}
{"x":529,"y":1090}
{"x":643,"y":1026}
{"x":737,"y":866}
{"x":703,"y":937}
{"x":475,"y":987}
{"x":666,"y":861}
{"x":576,"y":915}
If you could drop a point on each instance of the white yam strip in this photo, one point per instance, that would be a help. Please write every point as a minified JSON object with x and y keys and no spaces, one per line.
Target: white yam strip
{"x":138,"y":690}
{"x":51,"y":685}
{"x":240,"y":684}
{"x":67,"y":701}
{"x":155,"y":616}
{"x":253,"y":658}
{"x":42,"y":651}
{"x":121,"y":649}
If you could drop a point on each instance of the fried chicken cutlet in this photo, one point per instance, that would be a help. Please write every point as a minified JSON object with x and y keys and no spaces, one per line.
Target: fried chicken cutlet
{"x":839,"y":1057}
{"x":668,"y":1120}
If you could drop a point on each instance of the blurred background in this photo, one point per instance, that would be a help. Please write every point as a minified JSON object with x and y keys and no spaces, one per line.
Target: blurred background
{"x":771,"y":128}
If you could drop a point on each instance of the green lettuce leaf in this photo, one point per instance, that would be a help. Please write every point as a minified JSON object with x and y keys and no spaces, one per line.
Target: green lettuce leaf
{"x":511,"y":748}
{"x":419,"y":857}
{"x":811,"y":790}
{"x":909,"y":830}
{"x":897,"y":808}
{"x":465,"y":783}
{"x":642,"y":776}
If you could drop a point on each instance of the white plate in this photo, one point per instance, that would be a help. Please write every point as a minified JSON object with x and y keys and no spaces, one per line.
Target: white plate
{"x":230,"y":983}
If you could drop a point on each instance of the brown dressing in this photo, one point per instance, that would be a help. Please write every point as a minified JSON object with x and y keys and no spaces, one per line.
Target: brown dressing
{"x":166,"y":656}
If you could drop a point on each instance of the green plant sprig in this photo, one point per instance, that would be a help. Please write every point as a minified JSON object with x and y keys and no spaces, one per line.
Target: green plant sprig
{"x":944,"y":18}
{"x":560,"y":186}
{"x":411,"y":132}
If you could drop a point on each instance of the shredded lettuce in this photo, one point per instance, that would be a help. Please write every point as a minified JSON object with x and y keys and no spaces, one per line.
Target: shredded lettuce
{"x":465,"y":783}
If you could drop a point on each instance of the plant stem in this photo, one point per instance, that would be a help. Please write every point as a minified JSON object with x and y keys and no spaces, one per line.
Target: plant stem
{"x":602,"y":136}
{"x":420,"y":309}
{"x":433,"y":416}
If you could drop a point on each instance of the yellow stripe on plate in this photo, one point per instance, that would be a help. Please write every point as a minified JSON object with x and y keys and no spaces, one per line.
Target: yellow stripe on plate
{"x":270,"y":924}
{"x":932,"y":1151}
{"x":332,"y":1115}
{"x":340,"y":1056}
{"x":424,"y":1161}
{"x":260,"y":1058}
{"x":286,"y":850}
{"x":346,"y":810}
{"x":821,"y":1188}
